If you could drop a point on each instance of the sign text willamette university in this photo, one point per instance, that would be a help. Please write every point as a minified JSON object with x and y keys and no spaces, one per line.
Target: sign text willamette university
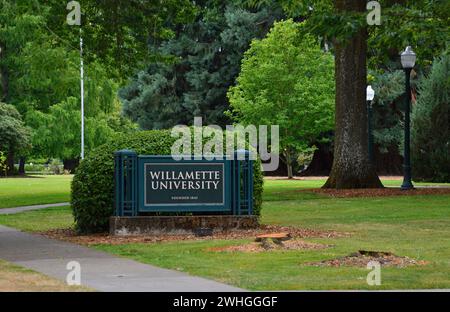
{"x":186,"y":184}
{"x":154,"y":184}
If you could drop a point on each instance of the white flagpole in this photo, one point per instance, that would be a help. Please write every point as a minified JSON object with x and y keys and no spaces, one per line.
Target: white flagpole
{"x":82,"y":94}
{"x":74,"y":18}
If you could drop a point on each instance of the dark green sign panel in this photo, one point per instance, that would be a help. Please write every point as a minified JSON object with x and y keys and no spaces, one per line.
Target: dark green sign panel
{"x":146,"y":184}
{"x":195,"y":185}
{"x":187,"y":184}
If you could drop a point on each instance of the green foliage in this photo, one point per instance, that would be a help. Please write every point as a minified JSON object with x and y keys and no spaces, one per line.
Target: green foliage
{"x":431,"y":125}
{"x":422,"y":24}
{"x":44,"y":76}
{"x":3,"y":165}
{"x":196,"y":67}
{"x":286,"y":80}
{"x":389,"y":89}
{"x":14,"y":135}
{"x":58,"y":134}
{"x":118,"y":33}
{"x":41,"y":68}
{"x":93,"y":184}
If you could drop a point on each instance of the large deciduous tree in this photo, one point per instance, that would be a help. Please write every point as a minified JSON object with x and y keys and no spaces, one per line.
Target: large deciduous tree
{"x":117,"y":32}
{"x":351,"y":165}
{"x":40,"y":77}
{"x":286,"y":80}
{"x":419,"y":23}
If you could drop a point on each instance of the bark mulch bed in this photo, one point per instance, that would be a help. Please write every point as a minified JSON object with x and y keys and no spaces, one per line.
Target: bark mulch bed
{"x":380,"y":192}
{"x":363,"y":257}
{"x":293,"y":244}
{"x":71,"y":236}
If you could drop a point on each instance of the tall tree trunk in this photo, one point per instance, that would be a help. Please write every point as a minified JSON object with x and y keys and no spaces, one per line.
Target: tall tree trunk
{"x":71,"y":164}
{"x":10,"y":163}
{"x":321,"y":162}
{"x":290,"y":171}
{"x":22,"y":166}
{"x":351,"y":166}
{"x":288,"y":157}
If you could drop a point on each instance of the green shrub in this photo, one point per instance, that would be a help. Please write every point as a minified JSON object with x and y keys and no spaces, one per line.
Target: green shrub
{"x":93,"y":183}
{"x":3,"y":165}
{"x":431,"y":125}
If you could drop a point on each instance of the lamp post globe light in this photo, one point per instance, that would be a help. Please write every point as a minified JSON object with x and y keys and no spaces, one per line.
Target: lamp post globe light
{"x":408,"y":60}
{"x":370,"y":94}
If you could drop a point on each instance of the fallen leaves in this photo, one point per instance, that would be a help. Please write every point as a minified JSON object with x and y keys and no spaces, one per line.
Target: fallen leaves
{"x":362,"y":258}
{"x":94,"y":239}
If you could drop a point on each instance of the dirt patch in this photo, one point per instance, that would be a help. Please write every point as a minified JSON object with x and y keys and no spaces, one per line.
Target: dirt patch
{"x":18,"y":279}
{"x":380,"y":192}
{"x":296,"y":233}
{"x":362,"y":258}
{"x":293,"y":244}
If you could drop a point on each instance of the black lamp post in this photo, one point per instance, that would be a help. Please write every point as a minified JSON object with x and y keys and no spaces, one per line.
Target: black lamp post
{"x":370,"y":94}
{"x":408,"y":59}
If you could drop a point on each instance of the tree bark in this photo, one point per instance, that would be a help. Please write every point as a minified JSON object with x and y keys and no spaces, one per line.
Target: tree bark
{"x":22,"y":166}
{"x":351,"y":166}
{"x":321,"y":162}
{"x":288,"y":157}
{"x":10,"y":163}
{"x":71,"y":164}
{"x":290,"y":171}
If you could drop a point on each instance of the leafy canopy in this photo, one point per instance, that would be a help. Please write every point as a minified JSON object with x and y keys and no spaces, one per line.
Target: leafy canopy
{"x":286,"y":80}
{"x":14,"y":135}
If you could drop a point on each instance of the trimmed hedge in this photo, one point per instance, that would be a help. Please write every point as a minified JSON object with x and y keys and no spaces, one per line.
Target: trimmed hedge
{"x":92,"y":196}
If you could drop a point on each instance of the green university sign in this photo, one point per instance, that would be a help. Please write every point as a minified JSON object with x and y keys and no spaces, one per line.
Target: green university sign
{"x":159,"y":184}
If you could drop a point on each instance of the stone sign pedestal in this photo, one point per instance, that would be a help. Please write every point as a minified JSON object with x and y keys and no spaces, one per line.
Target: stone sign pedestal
{"x":142,"y":225}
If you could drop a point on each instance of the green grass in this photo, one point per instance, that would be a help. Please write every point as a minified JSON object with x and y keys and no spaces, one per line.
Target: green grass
{"x":287,"y":189}
{"x":418,"y":227}
{"x":414,"y":226}
{"x":34,"y":190}
{"x":40,"y":220}
{"x":15,"y":278}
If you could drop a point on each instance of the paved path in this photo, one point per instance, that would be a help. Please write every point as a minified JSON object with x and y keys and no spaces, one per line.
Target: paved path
{"x":99,"y":270}
{"x":27,"y":208}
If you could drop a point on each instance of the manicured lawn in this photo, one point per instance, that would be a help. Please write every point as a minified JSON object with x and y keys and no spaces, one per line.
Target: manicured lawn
{"x":413,"y":226}
{"x":416,"y":226}
{"x":14,"y":278}
{"x":285,"y":189}
{"x":34,"y":190}
{"x":40,"y":220}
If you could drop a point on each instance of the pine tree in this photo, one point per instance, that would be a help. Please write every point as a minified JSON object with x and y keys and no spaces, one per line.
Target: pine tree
{"x":199,"y":66}
{"x":431,"y":125}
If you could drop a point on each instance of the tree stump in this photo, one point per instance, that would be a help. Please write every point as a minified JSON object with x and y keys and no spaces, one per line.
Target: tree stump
{"x":276,"y":238}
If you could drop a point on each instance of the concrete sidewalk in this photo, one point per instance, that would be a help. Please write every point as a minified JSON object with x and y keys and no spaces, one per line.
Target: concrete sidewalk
{"x":28,"y":208}
{"x":99,"y":270}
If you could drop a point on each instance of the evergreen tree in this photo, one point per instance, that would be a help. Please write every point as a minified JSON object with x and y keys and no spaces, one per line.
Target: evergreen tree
{"x":196,"y":67}
{"x":430,"y":146}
